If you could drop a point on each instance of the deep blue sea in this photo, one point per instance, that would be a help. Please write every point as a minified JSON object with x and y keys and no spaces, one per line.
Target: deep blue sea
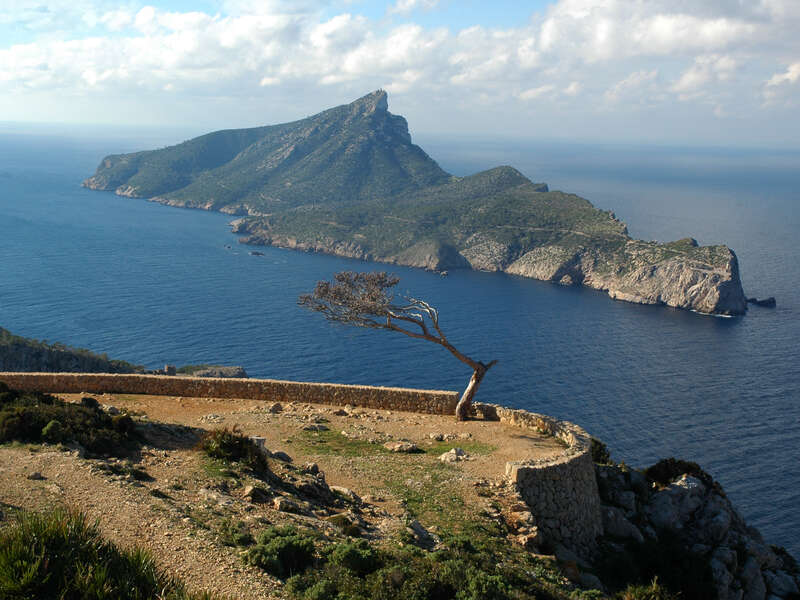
{"x":156,"y":285}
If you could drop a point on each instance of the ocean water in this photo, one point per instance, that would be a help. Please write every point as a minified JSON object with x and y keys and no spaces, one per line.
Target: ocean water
{"x":156,"y":285}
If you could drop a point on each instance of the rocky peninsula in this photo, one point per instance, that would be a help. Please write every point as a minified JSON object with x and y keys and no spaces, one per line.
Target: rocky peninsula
{"x":349,"y":181}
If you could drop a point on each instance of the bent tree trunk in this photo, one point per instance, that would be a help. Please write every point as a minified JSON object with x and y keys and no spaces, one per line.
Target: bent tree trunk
{"x":464,"y":405}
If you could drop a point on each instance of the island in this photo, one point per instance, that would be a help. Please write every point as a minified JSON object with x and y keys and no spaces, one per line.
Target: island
{"x":350,"y":182}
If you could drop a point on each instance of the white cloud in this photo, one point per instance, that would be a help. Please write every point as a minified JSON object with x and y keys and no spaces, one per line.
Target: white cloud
{"x":708,"y":53}
{"x":407,"y":6}
{"x":634,"y":83}
{"x":706,"y":69}
{"x":791,"y":75}
{"x":537,"y":92}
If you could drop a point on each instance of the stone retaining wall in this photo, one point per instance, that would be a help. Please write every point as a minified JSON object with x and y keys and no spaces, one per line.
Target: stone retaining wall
{"x":561,"y":492}
{"x":272,"y":390}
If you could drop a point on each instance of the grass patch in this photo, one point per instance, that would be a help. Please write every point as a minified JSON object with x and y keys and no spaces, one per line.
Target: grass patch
{"x":42,"y":418}
{"x":430,"y":493}
{"x":323,"y":443}
{"x":59,"y":554}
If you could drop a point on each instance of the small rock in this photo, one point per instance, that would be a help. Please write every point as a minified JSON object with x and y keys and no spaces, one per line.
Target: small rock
{"x":89,"y":402}
{"x":590,"y":582}
{"x":275,"y":408}
{"x":111,"y":410}
{"x":256,"y":495}
{"x":340,"y":412}
{"x":465,"y":435}
{"x":402,"y":446}
{"x":315,"y":427}
{"x":529,"y":540}
{"x":439,"y":437}
{"x":36,"y":476}
{"x":454,"y":455}
{"x":311,"y":468}
{"x":780,"y":583}
{"x":279,"y":455}
{"x":285,"y":505}
{"x":346,"y":492}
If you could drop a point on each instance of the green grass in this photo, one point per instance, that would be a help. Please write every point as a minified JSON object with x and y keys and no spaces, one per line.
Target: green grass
{"x":59,"y":554}
{"x":325,"y":443}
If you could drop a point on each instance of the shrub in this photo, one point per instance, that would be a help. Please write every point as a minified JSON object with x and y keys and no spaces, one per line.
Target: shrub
{"x":653,"y":591}
{"x":282,"y":551}
{"x":600,"y":453}
{"x":231,"y":445}
{"x":53,"y":432}
{"x":24,"y":417}
{"x":60,"y":555}
{"x":358,"y":557}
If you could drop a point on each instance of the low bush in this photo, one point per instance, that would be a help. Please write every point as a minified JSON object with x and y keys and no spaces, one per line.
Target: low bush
{"x":231,"y":445}
{"x":282,"y":551}
{"x":652,"y":591}
{"x":35,"y":418}
{"x":356,"y":570}
{"x":600,"y":453}
{"x":60,"y":555}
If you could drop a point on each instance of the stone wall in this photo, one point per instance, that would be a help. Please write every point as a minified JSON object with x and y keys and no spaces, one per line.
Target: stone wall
{"x":561,"y":492}
{"x":423,"y":401}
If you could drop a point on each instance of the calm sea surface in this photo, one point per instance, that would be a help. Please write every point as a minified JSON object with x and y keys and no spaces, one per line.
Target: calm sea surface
{"x":155,"y":285}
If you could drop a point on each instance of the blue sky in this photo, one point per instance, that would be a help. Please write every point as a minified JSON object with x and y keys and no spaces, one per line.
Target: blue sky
{"x":703,"y":72}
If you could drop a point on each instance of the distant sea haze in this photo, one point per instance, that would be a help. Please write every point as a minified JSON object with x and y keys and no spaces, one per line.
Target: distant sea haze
{"x":153,"y":285}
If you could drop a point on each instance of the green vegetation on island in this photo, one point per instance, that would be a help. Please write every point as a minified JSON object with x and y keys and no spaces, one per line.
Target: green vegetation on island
{"x":348,"y":181}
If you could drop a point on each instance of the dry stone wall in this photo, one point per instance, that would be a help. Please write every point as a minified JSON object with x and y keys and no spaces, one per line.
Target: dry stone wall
{"x":561,"y":492}
{"x":272,"y":390}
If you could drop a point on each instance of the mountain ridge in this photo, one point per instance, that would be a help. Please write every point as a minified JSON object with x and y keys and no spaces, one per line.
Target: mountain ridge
{"x":349,"y":181}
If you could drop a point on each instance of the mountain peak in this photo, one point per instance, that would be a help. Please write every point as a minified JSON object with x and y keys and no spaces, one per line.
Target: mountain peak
{"x":376,"y":102}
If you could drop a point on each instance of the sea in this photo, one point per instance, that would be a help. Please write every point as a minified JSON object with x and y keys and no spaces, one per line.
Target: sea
{"x":157,"y":285}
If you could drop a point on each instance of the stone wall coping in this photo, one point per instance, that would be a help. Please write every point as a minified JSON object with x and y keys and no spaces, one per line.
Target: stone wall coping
{"x":121,"y":376}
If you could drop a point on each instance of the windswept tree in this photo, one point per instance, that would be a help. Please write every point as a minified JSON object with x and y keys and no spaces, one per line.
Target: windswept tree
{"x":367,"y":300}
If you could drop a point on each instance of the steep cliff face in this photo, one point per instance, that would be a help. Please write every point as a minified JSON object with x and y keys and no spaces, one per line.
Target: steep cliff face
{"x":688,"y":517}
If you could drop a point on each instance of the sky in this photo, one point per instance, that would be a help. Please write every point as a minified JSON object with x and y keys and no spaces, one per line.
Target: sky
{"x":696,"y":72}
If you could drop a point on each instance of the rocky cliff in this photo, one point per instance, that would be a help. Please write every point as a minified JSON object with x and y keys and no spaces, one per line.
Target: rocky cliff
{"x":676,"y":518}
{"x":350,"y":182}
{"x":27,"y":355}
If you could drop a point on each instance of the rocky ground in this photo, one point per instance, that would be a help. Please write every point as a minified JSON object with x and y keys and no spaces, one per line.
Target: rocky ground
{"x":332,"y":468}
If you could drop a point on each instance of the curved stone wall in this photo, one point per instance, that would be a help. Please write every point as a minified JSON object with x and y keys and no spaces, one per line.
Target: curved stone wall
{"x":561,"y":492}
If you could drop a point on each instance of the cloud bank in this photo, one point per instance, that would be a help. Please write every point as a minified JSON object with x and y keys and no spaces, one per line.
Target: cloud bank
{"x":586,"y":63}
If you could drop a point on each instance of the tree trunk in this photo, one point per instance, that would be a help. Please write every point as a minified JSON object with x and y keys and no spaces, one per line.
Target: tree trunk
{"x":465,"y":404}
